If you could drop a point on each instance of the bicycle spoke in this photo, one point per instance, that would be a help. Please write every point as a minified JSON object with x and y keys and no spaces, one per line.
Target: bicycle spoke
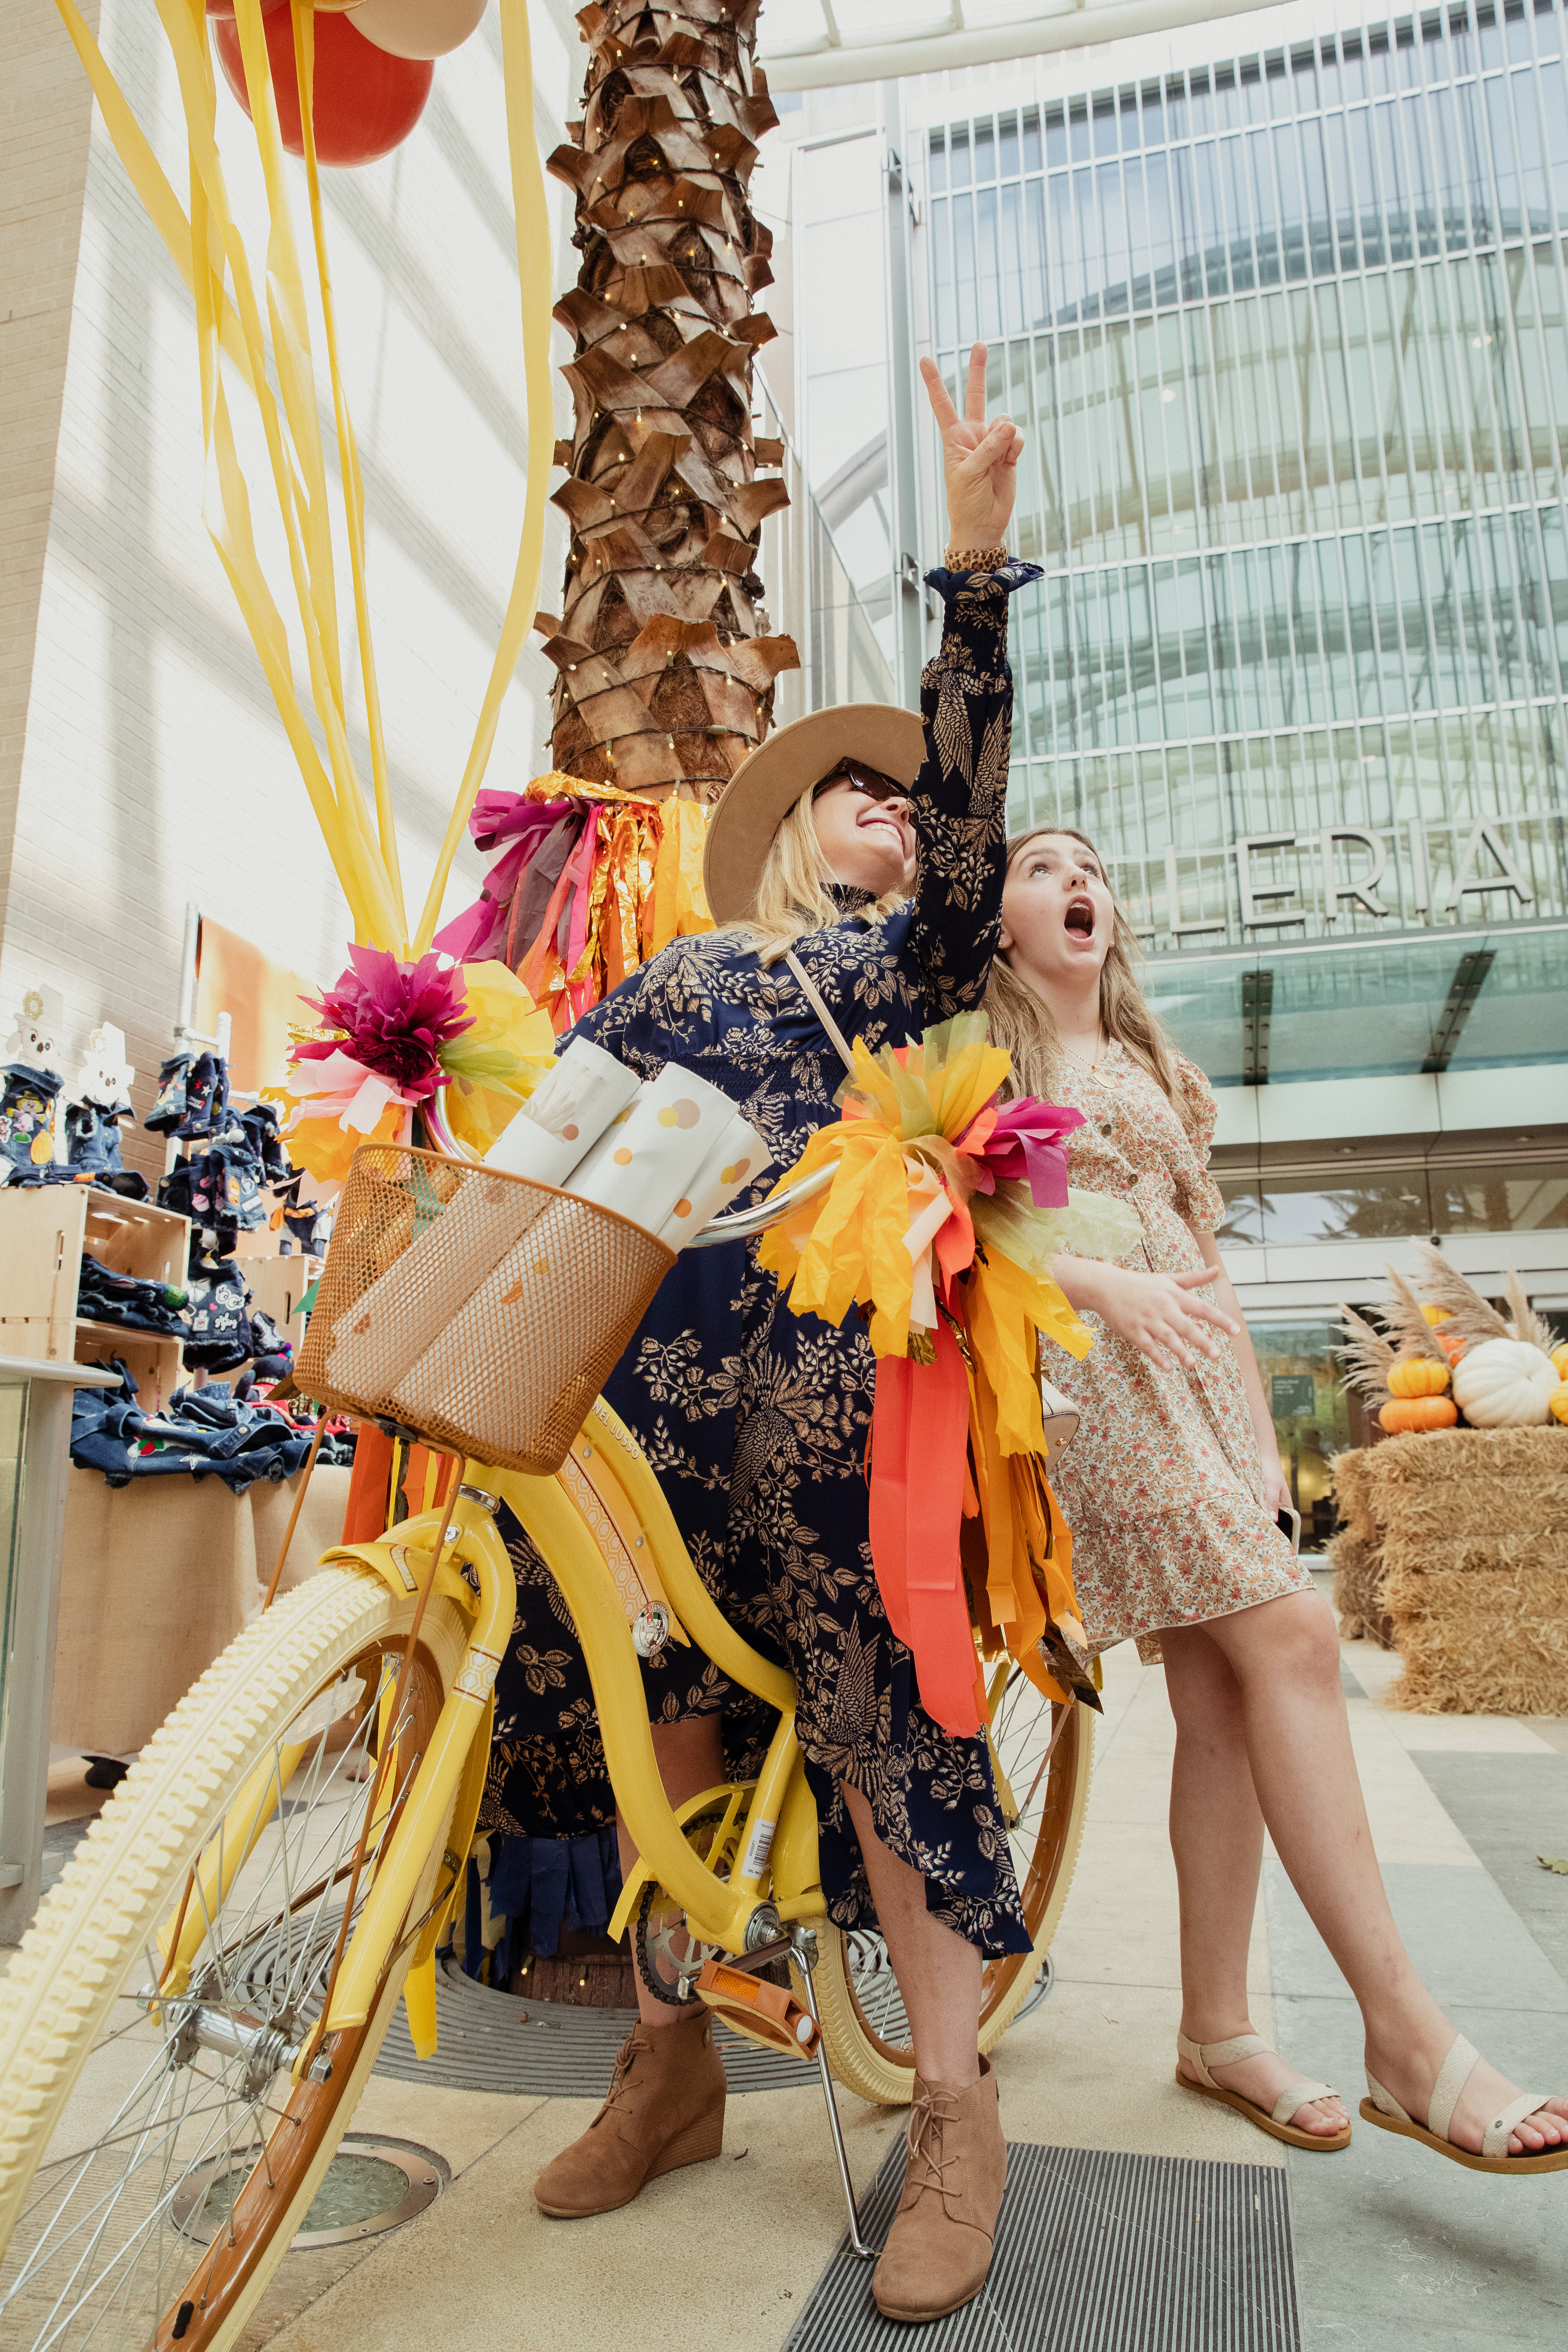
{"x":98,"y":2254}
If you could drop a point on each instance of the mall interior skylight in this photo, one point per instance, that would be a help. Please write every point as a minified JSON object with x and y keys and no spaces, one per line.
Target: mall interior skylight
{"x":811,"y":44}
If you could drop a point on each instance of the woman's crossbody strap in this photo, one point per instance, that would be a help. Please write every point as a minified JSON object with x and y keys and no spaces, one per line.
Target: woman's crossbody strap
{"x":815,"y":997}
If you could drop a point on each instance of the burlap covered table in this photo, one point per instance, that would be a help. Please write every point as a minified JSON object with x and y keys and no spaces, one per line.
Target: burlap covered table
{"x":156,"y":1578}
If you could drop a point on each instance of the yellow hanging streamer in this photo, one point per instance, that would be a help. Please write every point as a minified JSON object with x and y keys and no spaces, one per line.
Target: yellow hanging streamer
{"x":532,"y":224}
{"x":206,"y":247}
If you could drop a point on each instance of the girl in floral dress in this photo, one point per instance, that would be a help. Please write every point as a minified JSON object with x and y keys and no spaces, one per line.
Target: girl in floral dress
{"x":1172,"y":1492}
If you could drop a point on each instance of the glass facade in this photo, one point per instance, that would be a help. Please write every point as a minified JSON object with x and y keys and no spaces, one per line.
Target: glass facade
{"x":1288,"y":338}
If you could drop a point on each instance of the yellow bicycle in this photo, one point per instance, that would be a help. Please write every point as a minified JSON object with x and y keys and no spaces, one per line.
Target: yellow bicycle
{"x":230,"y":1940}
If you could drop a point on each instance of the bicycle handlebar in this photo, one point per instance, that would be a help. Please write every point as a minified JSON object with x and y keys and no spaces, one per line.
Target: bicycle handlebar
{"x":738,"y":1225}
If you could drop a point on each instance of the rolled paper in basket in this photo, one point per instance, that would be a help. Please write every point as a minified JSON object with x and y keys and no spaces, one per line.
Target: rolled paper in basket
{"x":653,"y":1154}
{"x":516,"y":1348}
{"x":565,"y":1115}
{"x":736,"y":1159}
{"x":406,"y":1307}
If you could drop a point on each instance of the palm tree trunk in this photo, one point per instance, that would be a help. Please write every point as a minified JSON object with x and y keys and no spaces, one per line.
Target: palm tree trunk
{"x":666,"y":665}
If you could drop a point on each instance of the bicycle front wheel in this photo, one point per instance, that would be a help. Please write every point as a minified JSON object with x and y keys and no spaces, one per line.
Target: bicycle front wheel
{"x":146,"y":2199}
{"x":1042,"y":1753}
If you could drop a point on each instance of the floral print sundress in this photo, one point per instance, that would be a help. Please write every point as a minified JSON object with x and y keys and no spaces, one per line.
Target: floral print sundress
{"x":1163,"y":1486}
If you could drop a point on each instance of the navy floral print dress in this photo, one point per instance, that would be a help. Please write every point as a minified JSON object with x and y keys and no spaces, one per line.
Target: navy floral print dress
{"x":756,"y":1419}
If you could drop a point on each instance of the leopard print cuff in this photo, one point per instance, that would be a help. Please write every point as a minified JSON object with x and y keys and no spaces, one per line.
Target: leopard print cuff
{"x":974,"y":559}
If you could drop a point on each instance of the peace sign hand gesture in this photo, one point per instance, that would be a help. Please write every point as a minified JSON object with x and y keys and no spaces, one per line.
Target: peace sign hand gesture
{"x":979,"y":461}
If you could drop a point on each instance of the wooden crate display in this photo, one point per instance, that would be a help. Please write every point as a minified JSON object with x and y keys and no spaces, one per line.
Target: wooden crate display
{"x":44,"y":1230}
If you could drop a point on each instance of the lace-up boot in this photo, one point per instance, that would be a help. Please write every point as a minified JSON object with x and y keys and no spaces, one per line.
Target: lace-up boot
{"x":938,"y":2248}
{"x":665,"y":2108}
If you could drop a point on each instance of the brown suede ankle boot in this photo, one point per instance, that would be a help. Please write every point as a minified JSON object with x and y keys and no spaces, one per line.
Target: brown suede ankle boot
{"x":665,"y":2107}
{"x":938,"y":2248}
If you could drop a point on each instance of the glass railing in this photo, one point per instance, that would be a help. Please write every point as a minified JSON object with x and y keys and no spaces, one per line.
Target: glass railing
{"x":1363,"y":1009}
{"x":812,"y":598}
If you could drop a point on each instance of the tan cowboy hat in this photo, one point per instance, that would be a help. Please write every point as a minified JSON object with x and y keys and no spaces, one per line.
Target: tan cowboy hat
{"x":766,"y":786}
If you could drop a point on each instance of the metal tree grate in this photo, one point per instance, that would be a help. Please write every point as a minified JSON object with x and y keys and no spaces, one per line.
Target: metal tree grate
{"x":1094,"y":2252}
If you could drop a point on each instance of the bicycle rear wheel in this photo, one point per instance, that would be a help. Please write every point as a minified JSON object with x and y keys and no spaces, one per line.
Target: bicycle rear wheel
{"x":148,"y":2204}
{"x":1043,"y":1754}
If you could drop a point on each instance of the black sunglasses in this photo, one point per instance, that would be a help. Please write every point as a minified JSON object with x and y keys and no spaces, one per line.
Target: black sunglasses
{"x":861,"y":779}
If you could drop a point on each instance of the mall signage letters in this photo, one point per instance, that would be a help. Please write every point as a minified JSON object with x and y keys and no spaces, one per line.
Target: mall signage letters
{"x":1354,"y":860}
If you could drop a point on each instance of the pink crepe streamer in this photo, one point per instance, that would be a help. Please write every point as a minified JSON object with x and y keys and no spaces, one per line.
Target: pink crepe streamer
{"x":479,"y":933}
{"x":1028,"y":1141}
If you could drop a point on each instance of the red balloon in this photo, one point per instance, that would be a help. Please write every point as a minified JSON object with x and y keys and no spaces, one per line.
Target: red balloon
{"x":366,"y":102}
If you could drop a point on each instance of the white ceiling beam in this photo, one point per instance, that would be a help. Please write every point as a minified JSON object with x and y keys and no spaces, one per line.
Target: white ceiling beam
{"x":823,"y":68}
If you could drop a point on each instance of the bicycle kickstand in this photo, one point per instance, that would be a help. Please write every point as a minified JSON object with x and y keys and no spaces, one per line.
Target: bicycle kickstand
{"x":804,"y":1942}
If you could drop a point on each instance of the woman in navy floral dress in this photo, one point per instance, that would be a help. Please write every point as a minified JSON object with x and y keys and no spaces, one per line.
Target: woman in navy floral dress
{"x":755,"y":1419}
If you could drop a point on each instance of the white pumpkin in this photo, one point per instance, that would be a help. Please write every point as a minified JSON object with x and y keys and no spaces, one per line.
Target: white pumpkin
{"x":1505,"y":1384}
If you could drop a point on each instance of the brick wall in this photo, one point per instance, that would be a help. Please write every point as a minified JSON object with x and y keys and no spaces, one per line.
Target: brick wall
{"x":142,"y":763}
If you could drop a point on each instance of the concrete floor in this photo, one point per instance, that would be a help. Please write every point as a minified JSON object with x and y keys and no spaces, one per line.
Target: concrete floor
{"x":1392,"y":2245}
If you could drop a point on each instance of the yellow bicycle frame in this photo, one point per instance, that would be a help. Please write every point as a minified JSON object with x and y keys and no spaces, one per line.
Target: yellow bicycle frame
{"x":604,"y":1529}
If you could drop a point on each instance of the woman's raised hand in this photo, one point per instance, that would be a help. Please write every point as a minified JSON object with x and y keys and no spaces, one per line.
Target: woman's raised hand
{"x":979,"y":461}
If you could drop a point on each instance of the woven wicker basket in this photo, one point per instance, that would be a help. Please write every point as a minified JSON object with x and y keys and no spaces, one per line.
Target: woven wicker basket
{"x":486,"y":1311}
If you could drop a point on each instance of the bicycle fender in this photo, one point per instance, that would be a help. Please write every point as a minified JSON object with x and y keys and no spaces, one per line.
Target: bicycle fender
{"x":404,"y":1565}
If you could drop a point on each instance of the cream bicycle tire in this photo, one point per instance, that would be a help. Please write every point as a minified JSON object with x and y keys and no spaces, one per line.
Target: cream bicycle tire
{"x":94,"y":1928}
{"x":883,"y":2074}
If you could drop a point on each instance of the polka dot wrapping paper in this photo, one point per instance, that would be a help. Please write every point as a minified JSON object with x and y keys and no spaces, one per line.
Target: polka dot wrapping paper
{"x":671,"y":1147}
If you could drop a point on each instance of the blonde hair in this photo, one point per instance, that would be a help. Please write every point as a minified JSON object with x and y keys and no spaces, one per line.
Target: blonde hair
{"x":794,"y":891}
{"x":1021,"y":1022}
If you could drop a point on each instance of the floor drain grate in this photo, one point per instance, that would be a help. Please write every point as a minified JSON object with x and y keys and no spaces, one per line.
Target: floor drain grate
{"x":488,"y":2041}
{"x":370,"y":2185}
{"x":1094,"y":2252}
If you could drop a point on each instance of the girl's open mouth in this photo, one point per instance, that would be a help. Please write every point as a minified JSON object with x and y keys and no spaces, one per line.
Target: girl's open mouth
{"x":1080,"y":917}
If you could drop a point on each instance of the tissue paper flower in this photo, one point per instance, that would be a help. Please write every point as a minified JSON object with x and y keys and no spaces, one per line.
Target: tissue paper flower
{"x":946,"y":1208}
{"x":391,"y":1034}
{"x":393,"y":1018}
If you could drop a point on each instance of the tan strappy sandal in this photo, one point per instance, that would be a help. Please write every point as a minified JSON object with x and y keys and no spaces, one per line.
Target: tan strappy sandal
{"x":1384,"y":2110}
{"x":1277,"y":2124}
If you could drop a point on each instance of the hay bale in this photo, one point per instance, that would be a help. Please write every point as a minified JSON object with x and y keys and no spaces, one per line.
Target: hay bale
{"x":1358,"y":1590}
{"x":1469,"y":1528}
{"x":1494,"y":1645}
{"x":1488,"y":1555}
{"x":1351,"y":1492}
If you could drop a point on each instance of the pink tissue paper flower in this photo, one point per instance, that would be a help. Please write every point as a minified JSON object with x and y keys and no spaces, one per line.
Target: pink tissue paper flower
{"x":396,"y":1018}
{"x":1028,"y":1141}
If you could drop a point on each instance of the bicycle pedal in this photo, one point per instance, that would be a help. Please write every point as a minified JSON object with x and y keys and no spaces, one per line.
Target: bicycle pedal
{"x":768,"y":2014}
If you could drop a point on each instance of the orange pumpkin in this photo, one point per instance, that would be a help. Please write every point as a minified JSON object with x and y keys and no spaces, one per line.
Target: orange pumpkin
{"x":1560,"y":1359}
{"x":1419,"y":1412}
{"x":1557,"y":1401}
{"x":1416,"y":1376}
{"x":1453,"y":1346}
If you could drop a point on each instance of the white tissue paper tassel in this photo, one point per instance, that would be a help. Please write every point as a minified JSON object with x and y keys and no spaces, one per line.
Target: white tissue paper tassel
{"x":650,"y":1157}
{"x":565,"y":1115}
{"x":735,"y":1159}
{"x":404,"y":1308}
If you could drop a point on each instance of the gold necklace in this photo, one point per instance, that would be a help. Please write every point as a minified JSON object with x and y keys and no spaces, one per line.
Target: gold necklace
{"x":1092,"y":1067}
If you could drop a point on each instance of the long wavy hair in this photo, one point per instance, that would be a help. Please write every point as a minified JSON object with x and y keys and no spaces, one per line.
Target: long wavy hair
{"x":794,"y":894}
{"x":1021,"y":1022}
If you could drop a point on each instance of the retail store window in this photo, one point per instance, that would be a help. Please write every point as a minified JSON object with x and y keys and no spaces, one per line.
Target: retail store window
{"x":1241,"y":1227}
{"x":1311,"y":1412}
{"x":1495,"y":1200}
{"x":1373,"y":1207}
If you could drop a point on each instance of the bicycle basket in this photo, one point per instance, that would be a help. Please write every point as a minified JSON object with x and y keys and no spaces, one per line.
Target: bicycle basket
{"x":484,"y":1310}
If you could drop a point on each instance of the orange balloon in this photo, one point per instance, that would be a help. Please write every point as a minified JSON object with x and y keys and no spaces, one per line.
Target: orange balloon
{"x":366,"y":102}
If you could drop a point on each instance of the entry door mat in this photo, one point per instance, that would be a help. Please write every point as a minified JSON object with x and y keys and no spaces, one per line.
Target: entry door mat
{"x":1094,"y":2252}
{"x":488,"y":2041}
